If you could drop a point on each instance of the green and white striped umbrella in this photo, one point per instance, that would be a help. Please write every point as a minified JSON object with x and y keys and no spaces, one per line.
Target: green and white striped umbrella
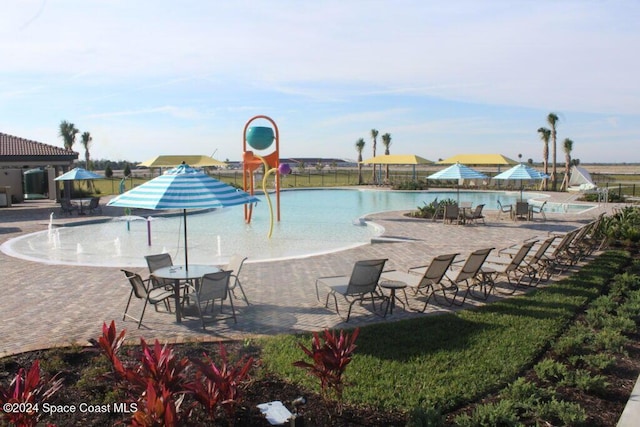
{"x":183,"y":188}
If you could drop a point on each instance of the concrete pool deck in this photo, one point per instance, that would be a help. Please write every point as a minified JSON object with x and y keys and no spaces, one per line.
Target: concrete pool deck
{"x":51,"y":305}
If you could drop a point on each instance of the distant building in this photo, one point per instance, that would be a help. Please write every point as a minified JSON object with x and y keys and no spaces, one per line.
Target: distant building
{"x":20,"y":157}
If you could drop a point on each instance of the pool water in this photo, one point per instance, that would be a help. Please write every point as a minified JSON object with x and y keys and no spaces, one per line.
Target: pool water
{"x":312,"y":222}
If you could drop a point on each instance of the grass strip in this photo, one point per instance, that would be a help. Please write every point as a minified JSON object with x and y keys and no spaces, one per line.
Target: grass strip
{"x":448,"y":360}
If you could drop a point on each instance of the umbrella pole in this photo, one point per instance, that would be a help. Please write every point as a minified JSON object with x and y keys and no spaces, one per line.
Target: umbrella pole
{"x":186,"y":252}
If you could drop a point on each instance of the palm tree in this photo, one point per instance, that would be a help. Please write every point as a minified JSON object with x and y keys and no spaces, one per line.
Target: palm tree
{"x":374,"y":136}
{"x":359,"y":147}
{"x":545,"y":136}
{"x":68,"y":132}
{"x":86,"y":141}
{"x":386,"y":141}
{"x":552,"y":119}
{"x":567,"y":146}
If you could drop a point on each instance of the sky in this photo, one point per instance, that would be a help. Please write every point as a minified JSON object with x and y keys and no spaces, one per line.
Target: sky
{"x":148,"y":78}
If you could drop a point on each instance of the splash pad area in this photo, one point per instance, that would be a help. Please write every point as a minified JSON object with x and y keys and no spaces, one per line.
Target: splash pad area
{"x":313,"y":222}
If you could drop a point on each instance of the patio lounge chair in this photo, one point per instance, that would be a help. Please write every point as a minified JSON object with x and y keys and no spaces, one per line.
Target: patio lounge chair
{"x":362,"y":283}
{"x":213,"y":286}
{"x":422,"y":279}
{"x":510,"y":268}
{"x":533,"y":266}
{"x":504,"y":209}
{"x":470,"y":274}
{"x":534,"y":209}
{"x":558,"y":260}
{"x":476,"y":215}
{"x":142,"y":290}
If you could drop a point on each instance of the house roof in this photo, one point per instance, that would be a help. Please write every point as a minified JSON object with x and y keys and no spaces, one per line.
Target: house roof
{"x":14,"y":149}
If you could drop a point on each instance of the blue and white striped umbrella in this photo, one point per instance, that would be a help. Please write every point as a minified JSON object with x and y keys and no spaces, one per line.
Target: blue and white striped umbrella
{"x":183,"y":188}
{"x":523,"y":173}
{"x":457,"y":172}
{"x":78,"y":174}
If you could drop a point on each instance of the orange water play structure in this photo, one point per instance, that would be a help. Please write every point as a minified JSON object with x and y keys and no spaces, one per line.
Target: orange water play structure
{"x":262,"y":138}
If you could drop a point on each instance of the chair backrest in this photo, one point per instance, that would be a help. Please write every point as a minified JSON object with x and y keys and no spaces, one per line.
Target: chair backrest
{"x":504,"y":208}
{"x":473,"y":264}
{"x":365,"y":275}
{"x":451,"y":211}
{"x":541,"y":250}
{"x":214,"y":286}
{"x":477,"y":213}
{"x":436,"y":270}
{"x":157,"y":261}
{"x":520,"y":255}
{"x":235,"y":265}
{"x":137,"y":284}
{"x":564,"y":243}
{"x":522,"y":208}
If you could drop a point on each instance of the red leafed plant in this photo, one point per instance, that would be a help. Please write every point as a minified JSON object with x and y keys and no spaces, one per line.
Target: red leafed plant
{"x":215,"y":385}
{"x":159,"y":370}
{"x":29,"y":391}
{"x":110,"y":343}
{"x":330,"y":359}
{"x":156,"y":409}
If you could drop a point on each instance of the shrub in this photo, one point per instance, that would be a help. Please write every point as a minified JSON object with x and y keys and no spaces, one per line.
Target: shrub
{"x":28,"y":391}
{"x":425,"y":417}
{"x":589,"y":383}
{"x":330,"y":359}
{"x":551,"y":371}
{"x":526,"y":393}
{"x":215,"y":385}
{"x":574,"y":341}
{"x":159,"y":382}
{"x":559,"y":412}
{"x":502,"y":413}
{"x":623,"y":284}
{"x":598,"y":361}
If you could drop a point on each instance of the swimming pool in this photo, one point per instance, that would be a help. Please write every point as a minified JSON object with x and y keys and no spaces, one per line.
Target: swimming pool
{"x":313,"y":222}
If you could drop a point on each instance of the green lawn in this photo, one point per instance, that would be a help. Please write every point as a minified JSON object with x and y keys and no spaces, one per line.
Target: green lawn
{"x":447,"y":360}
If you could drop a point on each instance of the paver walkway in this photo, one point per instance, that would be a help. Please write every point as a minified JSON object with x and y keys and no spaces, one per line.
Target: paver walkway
{"x":49,"y":305}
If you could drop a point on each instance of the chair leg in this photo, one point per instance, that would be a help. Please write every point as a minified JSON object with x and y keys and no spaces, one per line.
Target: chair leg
{"x":239,"y":285}
{"x":127,"y":307}
{"x":233,"y":310}
{"x":146,"y":301}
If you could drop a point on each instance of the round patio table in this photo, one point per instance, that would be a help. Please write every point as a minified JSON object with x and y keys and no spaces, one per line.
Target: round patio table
{"x":393,"y":285}
{"x":180,"y":273}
